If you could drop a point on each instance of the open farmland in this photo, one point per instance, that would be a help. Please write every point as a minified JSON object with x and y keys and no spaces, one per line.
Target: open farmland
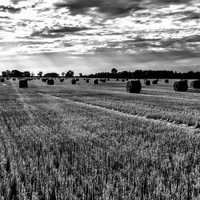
{"x":91,"y":142}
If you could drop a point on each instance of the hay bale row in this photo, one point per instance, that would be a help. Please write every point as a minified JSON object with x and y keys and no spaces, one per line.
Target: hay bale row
{"x":147,"y":82}
{"x":155,"y":82}
{"x":50,"y":82}
{"x":96,"y":82}
{"x":23,"y":83}
{"x":181,"y":86}
{"x":195,"y":84}
{"x":73,"y":81}
{"x":133,"y":86}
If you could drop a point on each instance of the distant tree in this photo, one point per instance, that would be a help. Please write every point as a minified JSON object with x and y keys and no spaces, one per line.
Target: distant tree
{"x":114,"y":71}
{"x":69,"y":74}
{"x":40,"y":74}
{"x":26,"y":74}
{"x":6,"y":73}
{"x":80,"y":74}
{"x":52,"y":74}
{"x":63,"y":73}
{"x":17,"y":73}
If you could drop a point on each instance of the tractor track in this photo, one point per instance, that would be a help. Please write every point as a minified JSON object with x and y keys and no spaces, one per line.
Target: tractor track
{"x":190,"y":129}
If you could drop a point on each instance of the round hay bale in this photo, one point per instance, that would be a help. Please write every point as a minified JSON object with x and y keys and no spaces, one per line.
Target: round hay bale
{"x":2,"y":80}
{"x":166,"y":81}
{"x":62,"y":80}
{"x":133,"y":86}
{"x":77,"y":79}
{"x":181,"y":86}
{"x":73,"y":81}
{"x":50,"y":82}
{"x":155,"y":82}
{"x":117,"y":79}
{"x":147,"y":82}
{"x":23,"y":83}
{"x":195,"y":84}
{"x":14,"y":79}
{"x":123,"y":80}
{"x":87,"y":80}
{"x":96,"y":82}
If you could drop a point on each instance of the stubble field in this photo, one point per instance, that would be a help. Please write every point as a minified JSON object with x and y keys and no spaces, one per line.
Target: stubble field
{"x":93,"y":142}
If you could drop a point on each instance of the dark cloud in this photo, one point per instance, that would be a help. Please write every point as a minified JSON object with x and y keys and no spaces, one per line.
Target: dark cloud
{"x":4,"y":17}
{"x":10,"y":9}
{"x":14,"y":8}
{"x":57,"y":32}
{"x":171,"y":1}
{"x":113,"y":7}
{"x":185,"y":46}
{"x":16,"y":1}
{"x":182,"y":42}
{"x":67,"y":29}
{"x":187,"y":43}
{"x":191,"y":16}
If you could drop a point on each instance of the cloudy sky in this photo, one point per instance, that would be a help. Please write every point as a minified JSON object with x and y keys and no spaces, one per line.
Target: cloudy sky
{"x":95,"y":35}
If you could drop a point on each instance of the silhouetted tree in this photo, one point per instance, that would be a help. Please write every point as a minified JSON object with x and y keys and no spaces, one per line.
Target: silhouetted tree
{"x":69,"y":74}
{"x":114,"y":71}
{"x":6,"y":73}
{"x":148,"y":74}
{"x":17,"y":73}
{"x":26,"y":74}
{"x":40,"y":74}
{"x":80,"y":74}
{"x":52,"y":74}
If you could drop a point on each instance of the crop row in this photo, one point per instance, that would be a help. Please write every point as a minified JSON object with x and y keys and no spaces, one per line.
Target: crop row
{"x":59,"y":150}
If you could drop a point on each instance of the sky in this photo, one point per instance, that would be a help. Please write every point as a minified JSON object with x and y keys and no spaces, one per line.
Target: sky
{"x":89,"y":36}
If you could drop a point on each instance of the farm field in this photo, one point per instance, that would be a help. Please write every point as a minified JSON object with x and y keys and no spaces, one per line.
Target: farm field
{"x":91,"y":142}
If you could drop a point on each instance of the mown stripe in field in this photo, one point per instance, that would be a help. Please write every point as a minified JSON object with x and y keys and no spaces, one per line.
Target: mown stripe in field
{"x":190,"y":129}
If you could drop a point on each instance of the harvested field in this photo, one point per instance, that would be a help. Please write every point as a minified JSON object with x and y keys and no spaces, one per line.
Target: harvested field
{"x":89,"y":141}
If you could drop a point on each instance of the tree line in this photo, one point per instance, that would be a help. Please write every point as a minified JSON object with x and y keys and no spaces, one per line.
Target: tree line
{"x":17,"y":73}
{"x":138,"y":74}
{"x":147,"y":74}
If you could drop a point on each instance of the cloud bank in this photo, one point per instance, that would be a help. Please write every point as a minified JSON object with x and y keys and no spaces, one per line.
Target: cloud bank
{"x":147,"y":29}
